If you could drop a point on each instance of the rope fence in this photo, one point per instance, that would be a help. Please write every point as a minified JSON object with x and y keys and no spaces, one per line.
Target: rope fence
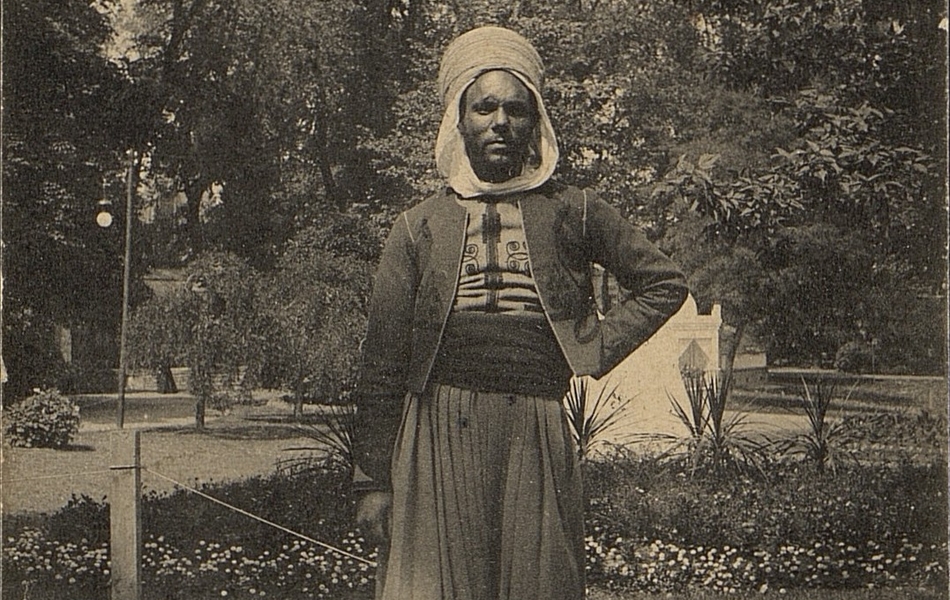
{"x":262,"y":519}
{"x":125,"y":512}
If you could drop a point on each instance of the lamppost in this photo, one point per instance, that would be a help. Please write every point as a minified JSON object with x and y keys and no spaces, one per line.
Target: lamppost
{"x":104,"y":219}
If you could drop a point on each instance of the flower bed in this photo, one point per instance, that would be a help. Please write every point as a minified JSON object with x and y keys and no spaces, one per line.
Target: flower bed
{"x":197,"y":549}
{"x":653,"y":526}
{"x":663,"y":567}
{"x":296,"y":569}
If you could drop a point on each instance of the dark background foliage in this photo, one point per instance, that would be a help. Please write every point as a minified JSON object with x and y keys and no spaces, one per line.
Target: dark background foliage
{"x":790,"y":155}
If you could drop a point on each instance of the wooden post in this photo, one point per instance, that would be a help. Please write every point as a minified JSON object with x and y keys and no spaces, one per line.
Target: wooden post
{"x":125,"y":514}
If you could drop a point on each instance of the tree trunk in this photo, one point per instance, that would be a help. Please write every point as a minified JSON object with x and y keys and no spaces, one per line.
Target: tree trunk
{"x":729,"y":339}
{"x":326,"y":170}
{"x":200,"y":413}
{"x":193,"y":192}
{"x":298,"y":407}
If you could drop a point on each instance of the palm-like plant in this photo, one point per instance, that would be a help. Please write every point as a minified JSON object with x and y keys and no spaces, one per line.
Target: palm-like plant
{"x":715,"y":441}
{"x":730,"y":444}
{"x":824,"y":443}
{"x":695,"y":420}
{"x":334,"y":442}
{"x":591,"y":416}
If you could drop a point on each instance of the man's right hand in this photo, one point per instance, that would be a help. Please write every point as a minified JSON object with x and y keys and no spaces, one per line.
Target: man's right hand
{"x":373,"y":512}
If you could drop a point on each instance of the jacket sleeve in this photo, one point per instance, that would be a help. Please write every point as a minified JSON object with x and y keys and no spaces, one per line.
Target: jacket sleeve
{"x":657,"y":288}
{"x":386,"y":352}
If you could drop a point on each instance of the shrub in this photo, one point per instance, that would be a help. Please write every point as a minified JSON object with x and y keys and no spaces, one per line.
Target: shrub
{"x":853,"y":357}
{"x":47,"y":419}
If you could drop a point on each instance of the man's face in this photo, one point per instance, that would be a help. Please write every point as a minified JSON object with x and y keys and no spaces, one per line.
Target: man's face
{"x":498,"y":121}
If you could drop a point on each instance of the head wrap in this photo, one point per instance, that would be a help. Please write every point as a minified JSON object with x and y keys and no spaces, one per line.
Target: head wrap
{"x":467,"y":57}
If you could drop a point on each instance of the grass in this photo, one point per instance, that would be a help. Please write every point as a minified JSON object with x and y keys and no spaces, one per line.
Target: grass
{"x":249,"y":441}
{"x":139,"y":407}
{"x":868,"y":394}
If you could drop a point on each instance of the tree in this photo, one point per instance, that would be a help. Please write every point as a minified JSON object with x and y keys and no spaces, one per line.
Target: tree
{"x":841,"y":259}
{"x":720,"y":272}
{"x":66,"y":131}
{"x":204,"y":133}
{"x":315,"y":303}
{"x":213,"y":326}
{"x":847,"y":162}
{"x":260,"y":106}
{"x":160,"y":331}
{"x":225,"y":353}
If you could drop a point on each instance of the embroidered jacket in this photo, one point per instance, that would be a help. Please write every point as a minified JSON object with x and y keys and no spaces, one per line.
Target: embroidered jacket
{"x":566,"y":230}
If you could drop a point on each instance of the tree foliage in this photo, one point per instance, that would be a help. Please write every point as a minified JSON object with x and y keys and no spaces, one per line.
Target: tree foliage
{"x":213,"y":326}
{"x":758,"y":141}
{"x":768,"y":119}
{"x":64,"y":138}
{"x":315,"y":303}
{"x":852,"y":165}
{"x":225,"y":355}
{"x":161,"y":330}
{"x":259,"y":107}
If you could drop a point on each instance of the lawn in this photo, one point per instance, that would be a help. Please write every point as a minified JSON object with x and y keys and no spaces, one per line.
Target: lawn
{"x":248,"y":441}
{"x":861,"y":393}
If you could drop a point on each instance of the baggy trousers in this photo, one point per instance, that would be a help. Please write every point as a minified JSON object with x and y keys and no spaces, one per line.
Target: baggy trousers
{"x":487,"y":501}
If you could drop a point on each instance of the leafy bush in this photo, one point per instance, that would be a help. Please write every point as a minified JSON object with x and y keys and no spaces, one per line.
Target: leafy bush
{"x":47,"y":419}
{"x":893,"y":438}
{"x":31,"y":361}
{"x":853,"y":357}
{"x":314,"y":305}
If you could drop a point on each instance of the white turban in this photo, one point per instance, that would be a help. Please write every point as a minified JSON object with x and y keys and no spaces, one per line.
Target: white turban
{"x":467,"y":57}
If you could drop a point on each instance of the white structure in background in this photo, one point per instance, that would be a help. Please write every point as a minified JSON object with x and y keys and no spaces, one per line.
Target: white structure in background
{"x":652,"y":373}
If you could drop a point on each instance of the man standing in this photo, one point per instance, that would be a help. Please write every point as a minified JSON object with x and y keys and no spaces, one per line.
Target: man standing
{"x":482,"y":311}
